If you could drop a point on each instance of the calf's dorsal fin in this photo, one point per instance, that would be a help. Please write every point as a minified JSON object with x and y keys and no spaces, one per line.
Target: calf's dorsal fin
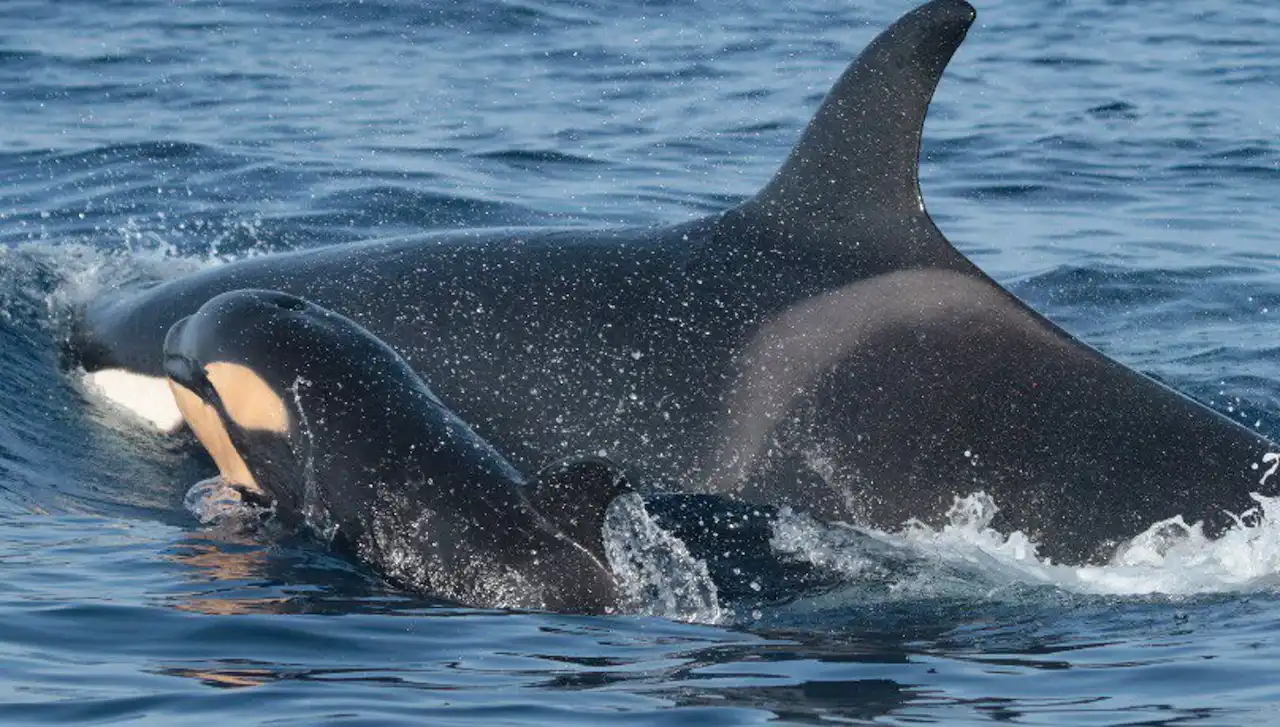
{"x":574,"y":495}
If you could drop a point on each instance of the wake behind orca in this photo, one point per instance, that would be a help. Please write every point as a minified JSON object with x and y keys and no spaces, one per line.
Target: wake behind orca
{"x":821,"y":345}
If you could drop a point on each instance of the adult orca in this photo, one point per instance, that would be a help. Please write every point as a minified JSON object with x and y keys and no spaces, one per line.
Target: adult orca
{"x":306,"y":411}
{"x":821,"y":344}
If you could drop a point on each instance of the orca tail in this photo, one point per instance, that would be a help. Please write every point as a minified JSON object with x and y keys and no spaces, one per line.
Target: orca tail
{"x":574,"y":495}
{"x":855,"y":171}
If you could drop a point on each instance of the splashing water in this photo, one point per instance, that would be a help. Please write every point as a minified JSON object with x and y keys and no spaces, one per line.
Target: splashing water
{"x":43,"y":283}
{"x":1175,"y":557}
{"x":314,"y":511}
{"x":916,"y":563}
{"x":1171,"y":557}
{"x":966,"y":556}
{"x":40,"y":284}
{"x":657,"y":573}
{"x":214,"y":502}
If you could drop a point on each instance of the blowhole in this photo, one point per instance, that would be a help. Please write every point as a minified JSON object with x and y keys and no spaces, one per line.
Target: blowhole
{"x":289,"y":302}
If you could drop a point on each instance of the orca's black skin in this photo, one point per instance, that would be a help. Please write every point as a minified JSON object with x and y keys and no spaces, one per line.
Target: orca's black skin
{"x":734,"y":540}
{"x":371,"y":458}
{"x":369,"y":450}
{"x":821,"y":344}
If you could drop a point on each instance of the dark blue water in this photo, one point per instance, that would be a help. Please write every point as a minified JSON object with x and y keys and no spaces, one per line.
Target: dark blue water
{"x":1117,"y":164}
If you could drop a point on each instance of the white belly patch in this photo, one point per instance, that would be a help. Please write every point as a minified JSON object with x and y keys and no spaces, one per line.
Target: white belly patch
{"x":147,"y":397}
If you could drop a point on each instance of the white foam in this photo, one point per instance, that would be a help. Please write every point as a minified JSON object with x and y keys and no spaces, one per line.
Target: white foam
{"x":1174,"y":557}
{"x":84,"y":273}
{"x":657,"y":573}
{"x":147,"y":397}
{"x":1171,"y":557}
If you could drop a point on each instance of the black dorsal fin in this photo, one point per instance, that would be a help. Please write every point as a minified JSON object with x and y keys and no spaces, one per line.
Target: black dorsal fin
{"x":574,"y":494}
{"x":858,"y":160}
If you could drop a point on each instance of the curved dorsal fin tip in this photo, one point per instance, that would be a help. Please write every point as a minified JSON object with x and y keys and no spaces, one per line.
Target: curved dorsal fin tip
{"x":861,"y":150}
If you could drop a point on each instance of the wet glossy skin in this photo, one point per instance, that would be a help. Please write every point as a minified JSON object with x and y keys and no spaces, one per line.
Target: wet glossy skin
{"x":337,"y":431}
{"x":821,"y":345}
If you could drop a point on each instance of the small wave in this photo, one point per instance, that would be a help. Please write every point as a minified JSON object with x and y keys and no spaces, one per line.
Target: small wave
{"x":1221,"y":173}
{"x":41,"y":284}
{"x":51,"y":456}
{"x":388,"y":206}
{"x":80,"y":273}
{"x":1076,"y":286}
{"x":112,"y":154}
{"x":537,"y":158}
{"x":12,"y":58}
{"x":1065,"y":61}
{"x":1170,"y":558}
{"x":1115,"y":110}
{"x":473,"y":18}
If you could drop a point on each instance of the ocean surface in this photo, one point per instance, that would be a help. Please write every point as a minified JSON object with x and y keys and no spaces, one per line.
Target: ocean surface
{"x":1116,"y":164}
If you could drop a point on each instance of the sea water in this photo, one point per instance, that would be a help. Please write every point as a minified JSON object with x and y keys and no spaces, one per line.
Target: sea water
{"x":1116,"y":164}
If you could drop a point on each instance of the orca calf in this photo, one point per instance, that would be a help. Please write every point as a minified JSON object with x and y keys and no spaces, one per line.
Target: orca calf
{"x":305,"y":410}
{"x":309,"y":415}
{"x":821,"y":345}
